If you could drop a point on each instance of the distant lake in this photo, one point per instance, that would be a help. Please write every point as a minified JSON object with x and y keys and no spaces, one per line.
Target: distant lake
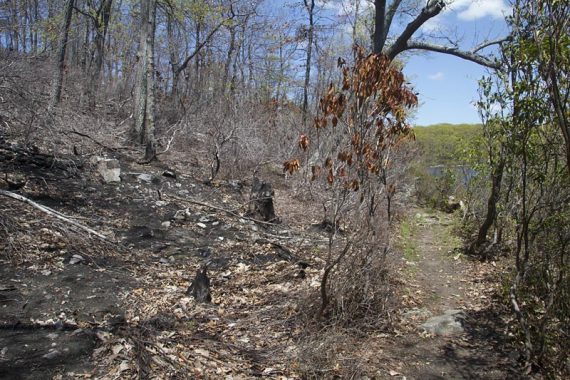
{"x":463,"y":173}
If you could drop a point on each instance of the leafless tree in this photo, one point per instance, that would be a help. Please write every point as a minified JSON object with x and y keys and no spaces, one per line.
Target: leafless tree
{"x":144,"y":118}
{"x":57,"y":82}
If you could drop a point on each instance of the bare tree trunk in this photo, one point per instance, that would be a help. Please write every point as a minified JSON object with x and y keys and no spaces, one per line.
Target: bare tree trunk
{"x":83,"y":56}
{"x":496,"y":181}
{"x":172,"y":51}
{"x":25,"y":24}
{"x":144,"y":87}
{"x":101,"y":25}
{"x":235,"y":66}
{"x":57,"y":82}
{"x":14,"y":39}
{"x":229,"y":56}
{"x":355,"y":25}
{"x":196,"y":85}
{"x":379,"y":25}
{"x":250,"y":71}
{"x":36,"y":23}
{"x":281,"y":72}
{"x":310,"y":6}
{"x":140,"y":78}
{"x":149,"y":138}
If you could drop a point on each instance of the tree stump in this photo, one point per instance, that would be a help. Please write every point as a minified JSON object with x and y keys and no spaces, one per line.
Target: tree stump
{"x":261,"y":206}
{"x":200,"y":287}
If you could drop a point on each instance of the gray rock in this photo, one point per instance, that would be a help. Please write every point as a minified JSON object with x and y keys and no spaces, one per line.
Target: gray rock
{"x":416,"y":313}
{"x":201,"y":225}
{"x":145,"y":177}
{"x":447,"y":324}
{"x":456,"y":312}
{"x":52,"y":354}
{"x":76,"y":259}
{"x":109,"y":169}
{"x":180,"y":215}
{"x":169,"y":174}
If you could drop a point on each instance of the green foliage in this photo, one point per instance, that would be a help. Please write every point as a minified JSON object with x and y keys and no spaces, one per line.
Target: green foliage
{"x":443,"y":144}
{"x":448,"y":147}
{"x":407,"y":239}
{"x":524,"y":131}
{"x":434,"y":191}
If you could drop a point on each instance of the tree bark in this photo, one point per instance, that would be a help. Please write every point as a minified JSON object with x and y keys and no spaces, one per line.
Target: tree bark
{"x":356,"y":18}
{"x":432,"y":9}
{"x":149,"y":138}
{"x":14,"y":39}
{"x":491,"y":216}
{"x":229,"y":57}
{"x":57,"y":82}
{"x":379,"y":25}
{"x":101,"y":25}
{"x":173,"y":54}
{"x":310,"y":6}
{"x":140,"y":77}
{"x":383,"y":21}
{"x":144,"y":88}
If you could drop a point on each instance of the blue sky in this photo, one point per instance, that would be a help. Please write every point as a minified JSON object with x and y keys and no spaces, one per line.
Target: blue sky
{"x":447,"y":85}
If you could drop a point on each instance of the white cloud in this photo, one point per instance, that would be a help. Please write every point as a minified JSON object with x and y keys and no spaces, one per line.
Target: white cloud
{"x":437,"y":76}
{"x":475,"y":9}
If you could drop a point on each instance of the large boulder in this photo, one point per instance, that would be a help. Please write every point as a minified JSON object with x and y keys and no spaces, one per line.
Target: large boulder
{"x":109,"y":169}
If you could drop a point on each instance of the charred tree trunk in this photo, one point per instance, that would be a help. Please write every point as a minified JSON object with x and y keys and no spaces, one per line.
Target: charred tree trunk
{"x":200,"y":287}
{"x":261,"y":206}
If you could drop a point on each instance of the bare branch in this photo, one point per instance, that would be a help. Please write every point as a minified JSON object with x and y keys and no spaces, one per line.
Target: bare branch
{"x":467,"y":55}
{"x":229,"y":212}
{"x":55,"y":214}
{"x":392,"y":9}
{"x":89,"y":15}
{"x":486,"y":44}
{"x":432,"y":9}
{"x":183,"y":66}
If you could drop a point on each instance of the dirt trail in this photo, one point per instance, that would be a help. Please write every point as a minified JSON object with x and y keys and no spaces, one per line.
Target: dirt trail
{"x":122,"y":311}
{"x":440,"y":279}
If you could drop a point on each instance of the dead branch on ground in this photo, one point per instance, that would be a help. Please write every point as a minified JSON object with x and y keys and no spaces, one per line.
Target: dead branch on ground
{"x":55,"y":214}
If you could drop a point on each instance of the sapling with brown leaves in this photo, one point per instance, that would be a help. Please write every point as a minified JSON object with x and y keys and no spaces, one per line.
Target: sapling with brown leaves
{"x":360,"y":124}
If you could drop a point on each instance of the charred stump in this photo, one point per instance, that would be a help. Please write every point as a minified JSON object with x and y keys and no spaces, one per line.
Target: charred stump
{"x":200,"y":287}
{"x":261,"y":206}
